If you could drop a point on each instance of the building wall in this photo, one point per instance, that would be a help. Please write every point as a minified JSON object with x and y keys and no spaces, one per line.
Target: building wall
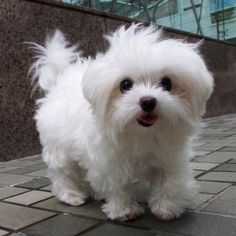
{"x":30,"y":20}
{"x":185,"y":20}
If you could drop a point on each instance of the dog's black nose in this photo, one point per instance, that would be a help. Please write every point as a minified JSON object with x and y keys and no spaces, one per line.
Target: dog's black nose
{"x":148,"y":104}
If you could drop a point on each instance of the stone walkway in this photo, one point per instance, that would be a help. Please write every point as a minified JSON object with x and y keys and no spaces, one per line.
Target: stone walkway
{"x":28,"y":208}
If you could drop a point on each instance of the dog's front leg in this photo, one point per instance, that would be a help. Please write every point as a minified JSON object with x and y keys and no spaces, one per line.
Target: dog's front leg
{"x":121,"y":206}
{"x":172,"y":193}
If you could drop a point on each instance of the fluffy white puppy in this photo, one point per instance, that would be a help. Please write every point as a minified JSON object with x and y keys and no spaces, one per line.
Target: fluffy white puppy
{"x":129,"y":114}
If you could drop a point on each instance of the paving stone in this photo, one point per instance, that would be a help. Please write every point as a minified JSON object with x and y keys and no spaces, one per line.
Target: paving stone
{"x":194,"y":224}
{"x":162,"y":233}
{"x":200,"y":199}
{"x":141,"y":191}
{"x":232,"y":161}
{"x":40,"y":173}
{"x":225,"y":203}
{"x":11,"y":191}
{"x":213,"y":136}
{"x":198,"y":144}
{"x":15,"y":217}
{"x":219,"y":176}
{"x":2,"y":186}
{"x":232,"y":137}
{"x":19,"y":163}
{"x":218,"y":142}
{"x":91,"y":209}
{"x":202,"y":166}
{"x":29,"y":197}
{"x":207,"y":148}
{"x":9,"y":179}
{"x":61,"y":225}
{"x":26,"y":169}
{"x":118,"y":230}
{"x":228,"y":149}
{"x":8,"y":168}
{"x":226,"y":168}
{"x":233,"y":144}
{"x":47,"y":188}
{"x":34,"y":157}
{"x":18,"y":234}
{"x":35,"y":183}
{"x":201,"y":153}
{"x":216,"y":157}
{"x":197,"y":172}
{"x":212,"y":187}
{"x":3,"y":232}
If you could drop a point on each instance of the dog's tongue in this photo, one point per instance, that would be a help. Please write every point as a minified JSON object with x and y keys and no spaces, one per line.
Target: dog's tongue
{"x":147,"y":120}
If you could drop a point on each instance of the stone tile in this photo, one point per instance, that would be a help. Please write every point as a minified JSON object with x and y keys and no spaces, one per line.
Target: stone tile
{"x":32,"y":158}
{"x":26,"y":169}
{"x":47,"y":188}
{"x":218,"y":142}
{"x":202,"y":166}
{"x":197,"y":173}
{"x":200,"y":199}
{"x":141,"y":191}
{"x":17,"y":234}
{"x":29,"y":197}
{"x":219,"y":176}
{"x":207,"y":148}
{"x":226,"y":168}
{"x":35,"y":183}
{"x":3,"y":232}
{"x":15,"y":217}
{"x":216,"y":157}
{"x":61,"y":225}
{"x":2,"y":186}
{"x":118,"y":230}
{"x":201,"y":153}
{"x":232,"y":137}
{"x":212,"y":187}
{"x":162,"y":233}
{"x":9,"y":179}
{"x":11,"y":191}
{"x":198,"y":144}
{"x":225,"y":203}
{"x":91,"y":209}
{"x":40,"y":173}
{"x":8,"y":168}
{"x":19,"y":163}
{"x":229,"y":149}
{"x":232,"y":161}
{"x":233,"y":144}
{"x":190,"y":223}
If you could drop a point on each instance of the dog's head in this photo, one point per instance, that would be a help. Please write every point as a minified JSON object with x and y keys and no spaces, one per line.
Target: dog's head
{"x":144,"y":81}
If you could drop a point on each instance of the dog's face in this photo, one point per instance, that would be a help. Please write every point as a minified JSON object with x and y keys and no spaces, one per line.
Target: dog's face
{"x":143,"y":82}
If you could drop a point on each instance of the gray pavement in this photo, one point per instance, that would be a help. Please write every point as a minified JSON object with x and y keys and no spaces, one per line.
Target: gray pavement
{"x":27,"y":206}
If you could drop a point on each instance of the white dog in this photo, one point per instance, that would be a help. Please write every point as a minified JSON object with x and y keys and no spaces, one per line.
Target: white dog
{"x":129,"y":114}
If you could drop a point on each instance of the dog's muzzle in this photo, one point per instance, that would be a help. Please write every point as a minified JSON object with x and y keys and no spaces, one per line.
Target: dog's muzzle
{"x":148,"y":118}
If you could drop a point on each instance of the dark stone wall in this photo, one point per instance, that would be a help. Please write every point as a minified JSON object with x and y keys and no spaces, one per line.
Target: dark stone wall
{"x":30,"y":20}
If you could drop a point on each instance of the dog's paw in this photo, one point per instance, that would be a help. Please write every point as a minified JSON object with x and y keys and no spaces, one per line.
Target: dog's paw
{"x":72,"y":198}
{"x":124,"y":213}
{"x":167,"y":212}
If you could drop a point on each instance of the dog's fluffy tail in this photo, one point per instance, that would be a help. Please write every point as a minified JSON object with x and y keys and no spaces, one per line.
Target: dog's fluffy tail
{"x":51,"y":61}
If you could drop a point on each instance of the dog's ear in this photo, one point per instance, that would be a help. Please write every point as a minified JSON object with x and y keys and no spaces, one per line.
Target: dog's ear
{"x":97,"y":84}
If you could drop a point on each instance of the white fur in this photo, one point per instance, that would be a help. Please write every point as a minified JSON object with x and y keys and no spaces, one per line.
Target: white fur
{"x":89,"y":131}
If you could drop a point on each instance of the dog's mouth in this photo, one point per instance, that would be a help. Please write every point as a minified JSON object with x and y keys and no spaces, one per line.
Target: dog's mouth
{"x":147,"y":119}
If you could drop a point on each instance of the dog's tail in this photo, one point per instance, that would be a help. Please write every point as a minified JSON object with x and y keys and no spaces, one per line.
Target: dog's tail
{"x":51,"y":61}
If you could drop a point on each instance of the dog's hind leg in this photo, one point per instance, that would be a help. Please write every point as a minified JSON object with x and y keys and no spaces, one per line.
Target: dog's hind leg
{"x":67,"y":177}
{"x":68,"y":187}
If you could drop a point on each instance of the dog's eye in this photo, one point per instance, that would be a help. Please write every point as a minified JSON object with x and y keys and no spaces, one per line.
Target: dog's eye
{"x":166,"y":84}
{"x":126,"y":85}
